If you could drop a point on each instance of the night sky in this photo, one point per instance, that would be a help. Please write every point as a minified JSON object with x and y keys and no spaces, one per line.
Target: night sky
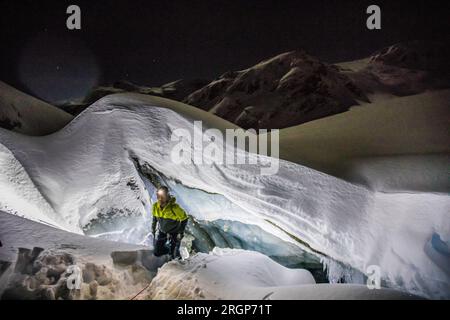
{"x":155,"y":42}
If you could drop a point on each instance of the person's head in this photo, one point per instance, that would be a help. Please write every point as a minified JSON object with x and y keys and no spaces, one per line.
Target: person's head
{"x":162,"y":194}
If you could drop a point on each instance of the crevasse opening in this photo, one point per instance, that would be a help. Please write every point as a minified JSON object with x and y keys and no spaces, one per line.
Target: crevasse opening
{"x":203,"y":235}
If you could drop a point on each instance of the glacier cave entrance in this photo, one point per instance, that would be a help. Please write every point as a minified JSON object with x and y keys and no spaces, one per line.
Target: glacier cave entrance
{"x":202,"y":235}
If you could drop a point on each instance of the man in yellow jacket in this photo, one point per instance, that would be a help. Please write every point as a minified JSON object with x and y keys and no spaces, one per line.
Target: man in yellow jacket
{"x":171,"y":220}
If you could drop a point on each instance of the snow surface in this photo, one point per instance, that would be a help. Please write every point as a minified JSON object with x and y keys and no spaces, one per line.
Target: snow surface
{"x":223,"y":273}
{"x":84,"y":171}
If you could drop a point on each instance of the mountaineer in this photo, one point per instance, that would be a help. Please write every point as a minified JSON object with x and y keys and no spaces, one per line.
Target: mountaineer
{"x":171,"y":220}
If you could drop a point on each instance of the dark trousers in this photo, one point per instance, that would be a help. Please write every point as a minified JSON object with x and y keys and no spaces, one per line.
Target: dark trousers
{"x":161,"y":247}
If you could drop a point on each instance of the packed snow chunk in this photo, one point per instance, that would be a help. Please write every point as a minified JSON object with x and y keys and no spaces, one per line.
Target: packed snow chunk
{"x":224,"y":274}
{"x":56,"y":274}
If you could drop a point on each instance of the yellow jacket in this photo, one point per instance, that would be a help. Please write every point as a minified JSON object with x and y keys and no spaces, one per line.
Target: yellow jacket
{"x":170,"y":211}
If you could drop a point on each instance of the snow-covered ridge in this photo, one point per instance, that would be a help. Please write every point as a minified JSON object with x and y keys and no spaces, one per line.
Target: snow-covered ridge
{"x":286,"y":90}
{"x":83,"y":172}
{"x":28,"y":115}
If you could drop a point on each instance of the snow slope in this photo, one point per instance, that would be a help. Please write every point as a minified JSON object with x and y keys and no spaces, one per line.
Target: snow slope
{"x":84,"y":173}
{"x":20,"y":196}
{"x":25,"y":114}
{"x":397,"y":144}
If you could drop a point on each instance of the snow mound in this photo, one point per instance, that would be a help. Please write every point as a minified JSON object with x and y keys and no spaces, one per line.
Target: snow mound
{"x":88,"y":172}
{"x":239,"y":274}
{"x":222,"y":274}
